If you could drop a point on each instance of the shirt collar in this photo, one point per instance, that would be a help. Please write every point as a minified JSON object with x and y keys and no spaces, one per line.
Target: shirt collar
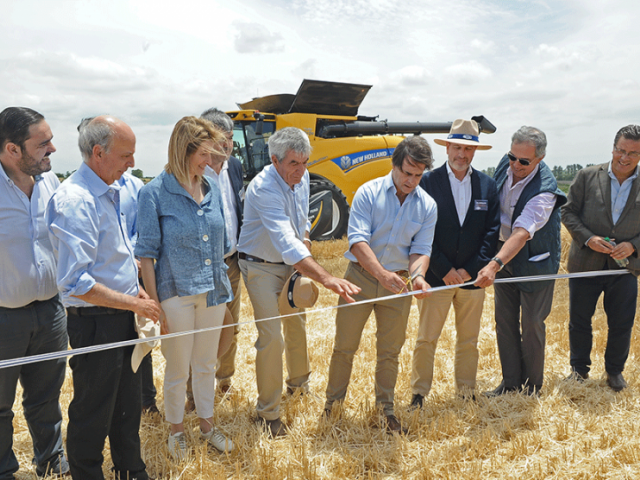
{"x":467,"y":175}
{"x":96,"y":185}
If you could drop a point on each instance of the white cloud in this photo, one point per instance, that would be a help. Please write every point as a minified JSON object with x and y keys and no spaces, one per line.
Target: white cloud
{"x":469,"y":72}
{"x":253,"y":37}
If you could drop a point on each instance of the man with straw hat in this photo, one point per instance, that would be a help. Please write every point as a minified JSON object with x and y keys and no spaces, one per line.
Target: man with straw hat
{"x":529,"y":244}
{"x":274,"y":241}
{"x":465,"y":240}
{"x":390,"y":233}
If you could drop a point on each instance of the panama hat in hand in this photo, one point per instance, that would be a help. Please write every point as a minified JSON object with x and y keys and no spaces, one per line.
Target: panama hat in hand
{"x":298,"y":293}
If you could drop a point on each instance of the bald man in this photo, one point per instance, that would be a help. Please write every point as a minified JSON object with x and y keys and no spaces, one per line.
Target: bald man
{"x":97,"y":278}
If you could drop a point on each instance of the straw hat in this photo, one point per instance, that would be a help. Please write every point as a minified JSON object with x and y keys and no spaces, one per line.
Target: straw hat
{"x":146,"y":328}
{"x":298,"y":293}
{"x":465,"y":132}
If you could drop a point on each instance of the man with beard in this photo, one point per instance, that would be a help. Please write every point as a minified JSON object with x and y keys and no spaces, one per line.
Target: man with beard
{"x":32,"y":317}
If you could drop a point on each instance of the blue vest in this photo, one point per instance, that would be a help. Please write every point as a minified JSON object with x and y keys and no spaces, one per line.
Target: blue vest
{"x":547,"y":239}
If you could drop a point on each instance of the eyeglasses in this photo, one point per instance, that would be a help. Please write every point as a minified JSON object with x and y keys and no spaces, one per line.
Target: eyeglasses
{"x":523,"y":161}
{"x":631,"y":155}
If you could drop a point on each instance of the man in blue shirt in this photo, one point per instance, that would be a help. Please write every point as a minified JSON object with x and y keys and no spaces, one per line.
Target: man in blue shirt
{"x":98,"y":279}
{"x":603,"y":202}
{"x":274,"y":241}
{"x":32,"y":317}
{"x":391,"y":229}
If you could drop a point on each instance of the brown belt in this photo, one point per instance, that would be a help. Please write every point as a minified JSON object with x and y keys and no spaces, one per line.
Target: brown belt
{"x":251,"y":258}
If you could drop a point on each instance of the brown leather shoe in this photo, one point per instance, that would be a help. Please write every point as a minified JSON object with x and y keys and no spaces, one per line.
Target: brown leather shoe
{"x":394,"y":426}
{"x":274,"y":428}
{"x":416,"y":402}
{"x":616,"y":382}
{"x":226,"y":389}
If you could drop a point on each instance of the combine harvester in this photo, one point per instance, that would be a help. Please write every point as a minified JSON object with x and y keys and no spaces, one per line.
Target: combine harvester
{"x":348,"y":149}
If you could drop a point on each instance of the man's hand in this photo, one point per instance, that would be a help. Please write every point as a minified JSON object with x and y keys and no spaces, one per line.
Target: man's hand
{"x":487,"y":275}
{"x":342,"y":287}
{"x":622,"y":250}
{"x":452,"y":278}
{"x":393,"y":282}
{"x":419,"y":283}
{"x":145,"y":307}
{"x":599,"y":244}
{"x":464,"y":274}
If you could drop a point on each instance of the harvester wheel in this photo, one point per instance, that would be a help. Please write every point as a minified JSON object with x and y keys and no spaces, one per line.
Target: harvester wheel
{"x":340,"y":209}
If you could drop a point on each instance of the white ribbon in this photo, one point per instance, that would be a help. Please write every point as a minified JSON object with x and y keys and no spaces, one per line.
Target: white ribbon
{"x":15,"y":362}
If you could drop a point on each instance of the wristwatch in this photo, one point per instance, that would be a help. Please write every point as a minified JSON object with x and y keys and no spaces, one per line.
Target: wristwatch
{"x":499,"y":262}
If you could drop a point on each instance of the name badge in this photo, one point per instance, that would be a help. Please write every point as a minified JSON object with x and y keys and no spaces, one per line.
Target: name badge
{"x":482,"y":205}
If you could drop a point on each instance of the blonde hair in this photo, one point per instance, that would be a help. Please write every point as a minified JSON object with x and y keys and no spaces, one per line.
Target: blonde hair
{"x":187,"y":136}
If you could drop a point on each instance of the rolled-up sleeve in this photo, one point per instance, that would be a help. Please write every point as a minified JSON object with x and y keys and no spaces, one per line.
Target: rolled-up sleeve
{"x":422,"y":242}
{"x":536,"y":213}
{"x":360,"y":217}
{"x":278,"y":225}
{"x":149,"y":232}
{"x":74,"y":235}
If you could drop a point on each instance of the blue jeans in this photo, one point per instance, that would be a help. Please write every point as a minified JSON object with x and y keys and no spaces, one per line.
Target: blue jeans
{"x":40,"y":327}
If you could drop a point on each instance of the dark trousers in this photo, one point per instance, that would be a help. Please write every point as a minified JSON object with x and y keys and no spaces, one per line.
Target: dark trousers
{"x":620,"y":296}
{"x":521,"y":337}
{"x":146,"y":380}
{"x":39,"y":327}
{"x":106,"y":399}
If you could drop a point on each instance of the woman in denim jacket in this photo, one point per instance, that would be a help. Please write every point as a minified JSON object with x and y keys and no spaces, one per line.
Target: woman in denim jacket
{"x":181,"y":227}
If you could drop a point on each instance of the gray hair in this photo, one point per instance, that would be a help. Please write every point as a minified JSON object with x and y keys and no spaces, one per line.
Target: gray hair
{"x":534,"y":136}
{"x":219,"y":119}
{"x":630,"y":132}
{"x":289,"y":139}
{"x":92,"y":134}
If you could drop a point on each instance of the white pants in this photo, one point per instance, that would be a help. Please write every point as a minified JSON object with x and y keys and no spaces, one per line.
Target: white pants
{"x":199,"y":350}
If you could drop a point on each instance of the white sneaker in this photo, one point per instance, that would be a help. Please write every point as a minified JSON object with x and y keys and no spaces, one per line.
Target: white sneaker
{"x":218,"y":440}
{"x":178,"y":446}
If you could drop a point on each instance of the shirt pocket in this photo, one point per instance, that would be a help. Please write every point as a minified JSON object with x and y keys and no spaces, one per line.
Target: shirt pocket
{"x":406,"y":233}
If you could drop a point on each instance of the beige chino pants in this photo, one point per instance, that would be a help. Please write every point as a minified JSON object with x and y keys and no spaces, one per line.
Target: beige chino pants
{"x":434,"y":309}
{"x":264,"y":282}
{"x":391,"y":322}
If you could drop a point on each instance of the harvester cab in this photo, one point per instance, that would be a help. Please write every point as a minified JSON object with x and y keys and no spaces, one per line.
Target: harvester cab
{"x":347,"y":149}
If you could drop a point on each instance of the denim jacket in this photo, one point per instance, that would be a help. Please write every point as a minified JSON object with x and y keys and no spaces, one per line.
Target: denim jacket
{"x":187,"y":240}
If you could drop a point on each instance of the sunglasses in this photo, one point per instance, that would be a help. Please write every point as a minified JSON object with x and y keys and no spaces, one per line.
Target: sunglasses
{"x":523,"y":161}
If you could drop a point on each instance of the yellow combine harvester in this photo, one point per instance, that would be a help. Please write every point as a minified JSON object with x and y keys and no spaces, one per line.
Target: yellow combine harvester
{"x":348,"y":149}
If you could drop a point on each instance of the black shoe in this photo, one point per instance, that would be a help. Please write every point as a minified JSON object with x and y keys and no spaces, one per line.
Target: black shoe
{"x":416,"y":402}
{"x":326,"y":415}
{"x":532,"y":390}
{"x":468,"y":397}
{"x":274,"y":428}
{"x":616,"y":382}
{"x":394,"y":426}
{"x":577,"y":376}
{"x":500,"y":390}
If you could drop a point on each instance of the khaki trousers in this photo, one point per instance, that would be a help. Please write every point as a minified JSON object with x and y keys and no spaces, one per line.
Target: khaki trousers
{"x":391,"y":322}
{"x":434,"y":309}
{"x":264,"y":282}
{"x":227,"y":362}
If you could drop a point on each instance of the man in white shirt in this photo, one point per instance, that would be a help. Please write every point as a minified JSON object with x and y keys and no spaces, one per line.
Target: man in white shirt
{"x":465,"y":239}
{"x":530,"y":202}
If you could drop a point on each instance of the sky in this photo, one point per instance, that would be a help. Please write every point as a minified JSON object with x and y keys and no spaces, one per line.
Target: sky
{"x":569,"y":68}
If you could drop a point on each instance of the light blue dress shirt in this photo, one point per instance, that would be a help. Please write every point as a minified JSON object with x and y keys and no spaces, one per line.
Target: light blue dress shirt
{"x":393,"y":231}
{"x":187,"y":240}
{"x":27,"y":263}
{"x":89,"y":237}
{"x":275,"y":218}
{"x":129,"y":189}
{"x":620,"y":193}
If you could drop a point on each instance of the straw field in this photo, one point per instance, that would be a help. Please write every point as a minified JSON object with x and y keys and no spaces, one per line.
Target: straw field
{"x":572,"y":431}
